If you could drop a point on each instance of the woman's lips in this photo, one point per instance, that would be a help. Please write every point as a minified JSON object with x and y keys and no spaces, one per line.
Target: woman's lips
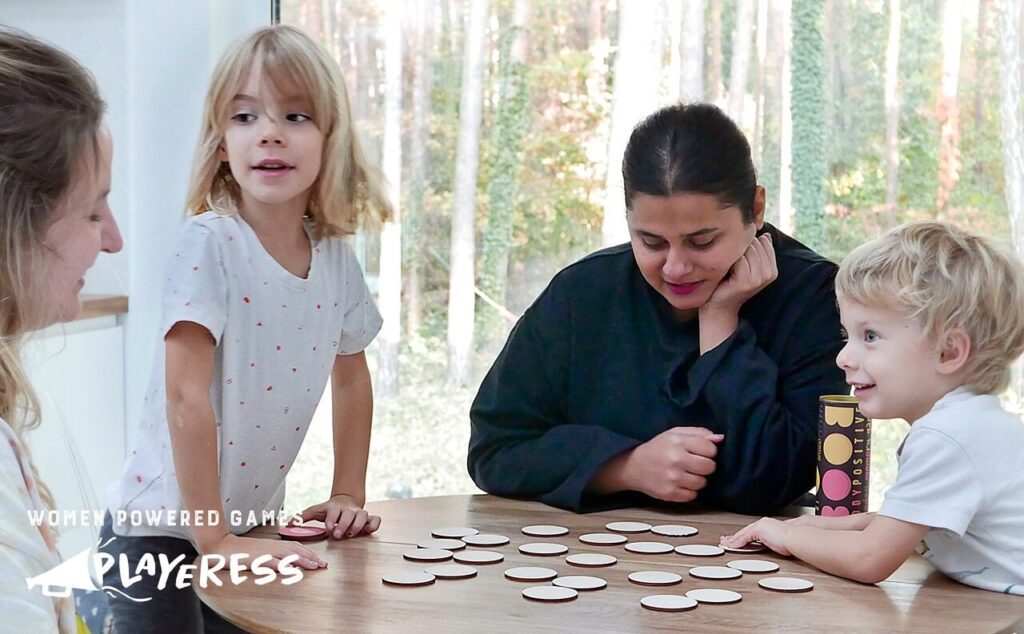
{"x":682,"y":289}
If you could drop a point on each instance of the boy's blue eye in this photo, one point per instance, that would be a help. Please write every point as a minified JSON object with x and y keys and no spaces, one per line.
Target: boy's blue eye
{"x":870,"y":336}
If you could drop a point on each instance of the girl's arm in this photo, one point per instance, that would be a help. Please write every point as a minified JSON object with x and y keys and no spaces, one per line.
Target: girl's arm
{"x":189,"y":370}
{"x":869,"y":555}
{"x":193,"y":429}
{"x":352,"y":414}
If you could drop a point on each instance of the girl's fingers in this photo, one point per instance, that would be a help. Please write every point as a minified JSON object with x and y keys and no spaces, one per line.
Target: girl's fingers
{"x":372,"y":525}
{"x":358,"y":522}
{"x":343,"y":523}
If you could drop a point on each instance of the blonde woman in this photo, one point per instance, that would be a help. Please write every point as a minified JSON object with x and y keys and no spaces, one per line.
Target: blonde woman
{"x":55,"y":157}
{"x":263,"y":302}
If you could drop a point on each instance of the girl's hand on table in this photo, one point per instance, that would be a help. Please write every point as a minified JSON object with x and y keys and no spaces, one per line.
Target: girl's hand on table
{"x":343,"y":517}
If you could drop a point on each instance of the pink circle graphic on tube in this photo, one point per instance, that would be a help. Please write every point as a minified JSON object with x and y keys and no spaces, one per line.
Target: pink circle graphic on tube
{"x":844,"y":457}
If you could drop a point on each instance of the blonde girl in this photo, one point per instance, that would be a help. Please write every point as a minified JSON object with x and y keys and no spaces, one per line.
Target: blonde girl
{"x":263,"y":302}
{"x":55,"y":158}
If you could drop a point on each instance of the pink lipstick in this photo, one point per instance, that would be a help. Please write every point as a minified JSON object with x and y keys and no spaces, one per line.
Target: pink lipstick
{"x":682,"y":289}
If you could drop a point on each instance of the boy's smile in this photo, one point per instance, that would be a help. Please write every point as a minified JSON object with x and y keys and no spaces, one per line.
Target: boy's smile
{"x":890,"y":362}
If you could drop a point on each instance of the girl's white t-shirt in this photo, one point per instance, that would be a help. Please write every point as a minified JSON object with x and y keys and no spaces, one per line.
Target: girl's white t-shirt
{"x":26,"y":549}
{"x":277,"y":336}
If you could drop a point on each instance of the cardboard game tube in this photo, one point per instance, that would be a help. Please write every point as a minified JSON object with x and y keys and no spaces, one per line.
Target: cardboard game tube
{"x":844,"y":457}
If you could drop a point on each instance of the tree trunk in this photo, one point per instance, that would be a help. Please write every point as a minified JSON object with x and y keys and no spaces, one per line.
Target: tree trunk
{"x":675,"y":49}
{"x":633,"y":98}
{"x":759,"y":88}
{"x":787,"y":219}
{"x":414,"y":220}
{"x":463,"y":250}
{"x":1011,"y":65}
{"x":949,"y":105}
{"x":1010,"y":115}
{"x":980,"y":70}
{"x":808,"y":107}
{"x":510,"y":127}
{"x":691,"y":50}
{"x":390,"y":283}
{"x":741,"y":42}
{"x":892,"y":113}
{"x":715,"y":78}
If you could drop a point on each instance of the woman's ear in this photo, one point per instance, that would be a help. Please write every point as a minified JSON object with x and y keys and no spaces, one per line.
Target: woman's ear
{"x":759,"y":205}
{"x":954,"y":350}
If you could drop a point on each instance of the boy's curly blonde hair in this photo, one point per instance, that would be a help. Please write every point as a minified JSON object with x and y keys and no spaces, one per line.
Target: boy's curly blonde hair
{"x":946,"y":277}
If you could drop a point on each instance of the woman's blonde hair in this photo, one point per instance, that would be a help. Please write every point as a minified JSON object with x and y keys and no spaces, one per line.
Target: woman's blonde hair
{"x":946,"y":277}
{"x":347,"y":186}
{"x":50,"y":116}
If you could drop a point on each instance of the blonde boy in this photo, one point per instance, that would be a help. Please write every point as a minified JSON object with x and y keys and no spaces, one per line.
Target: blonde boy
{"x":935,"y":318}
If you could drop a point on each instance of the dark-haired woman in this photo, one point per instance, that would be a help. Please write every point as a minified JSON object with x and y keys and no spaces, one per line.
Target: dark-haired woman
{"x":685,"y":365}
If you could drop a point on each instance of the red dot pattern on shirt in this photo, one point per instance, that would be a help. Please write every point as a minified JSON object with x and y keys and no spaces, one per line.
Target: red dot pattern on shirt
{"x":243,"y":464}
{"x":246,"y":300}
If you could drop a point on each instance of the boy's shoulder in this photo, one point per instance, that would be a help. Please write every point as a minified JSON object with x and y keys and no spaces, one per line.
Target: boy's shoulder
{"x":973,"y":420}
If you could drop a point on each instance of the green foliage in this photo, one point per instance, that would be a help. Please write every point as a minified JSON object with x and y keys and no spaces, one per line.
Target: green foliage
{"x":809,"y":151}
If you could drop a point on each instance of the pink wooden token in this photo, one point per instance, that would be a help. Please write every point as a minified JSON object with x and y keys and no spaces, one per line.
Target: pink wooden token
{"x":298,"y":533}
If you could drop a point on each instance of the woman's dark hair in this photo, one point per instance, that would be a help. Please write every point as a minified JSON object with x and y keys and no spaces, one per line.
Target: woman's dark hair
{"x":690,"y":148}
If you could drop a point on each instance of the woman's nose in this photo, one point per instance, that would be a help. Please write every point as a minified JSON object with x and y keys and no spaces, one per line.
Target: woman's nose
{"x":677,"y":265}
{"x":110,"y":238}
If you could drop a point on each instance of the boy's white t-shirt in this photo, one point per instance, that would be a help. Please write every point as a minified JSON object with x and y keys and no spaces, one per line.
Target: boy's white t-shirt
{"x":26,"y":550}
{"x":961,"y":472}
{"x":277,"y":336}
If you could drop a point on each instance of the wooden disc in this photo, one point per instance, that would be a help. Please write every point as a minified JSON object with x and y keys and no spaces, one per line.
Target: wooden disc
{"x":654,"y":578}
{"x":603,"y":539}
{"x":699,"y":550}
{"x":649,"y":548}
{"x":754,"y":565}
{"x":714,"y":595}
{"x":580,"y":582}
{"x":752,"y":547}
{"x":550,"y":593}
{"x":715,"y":572}
{"x":479,"y":557}
{"x":590,"y":560}
{"x":442,"y":544}
{"x":628,"y":527}
{"x":674,"y":530}
{"x":543,"y":549}
{"x":453,"y":532}
{"x":302,"y":533}
{"x":451,"y":571}
{"x":545,"y":530}
{"x":408,"y":578}
{"x":530,"y":573}
{"x":485,"y":539}
{"x":786,"y":584}
{"x":668,"y":602}
{"x":427,"y":554}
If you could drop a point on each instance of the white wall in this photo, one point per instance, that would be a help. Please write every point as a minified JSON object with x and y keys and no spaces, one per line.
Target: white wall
{"x":152,"y":60}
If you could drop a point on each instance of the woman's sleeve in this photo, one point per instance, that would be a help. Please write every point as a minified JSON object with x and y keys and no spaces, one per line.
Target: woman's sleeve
{"x":768,"y":411}
{"x":522,"y":443}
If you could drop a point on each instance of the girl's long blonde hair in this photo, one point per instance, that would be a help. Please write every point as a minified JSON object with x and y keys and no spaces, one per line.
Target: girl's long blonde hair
{"x":50,"y":115}
{"x":348,"y":188}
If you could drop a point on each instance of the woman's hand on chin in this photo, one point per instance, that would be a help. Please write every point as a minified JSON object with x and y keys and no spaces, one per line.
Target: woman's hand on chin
{"x":756,"y":269}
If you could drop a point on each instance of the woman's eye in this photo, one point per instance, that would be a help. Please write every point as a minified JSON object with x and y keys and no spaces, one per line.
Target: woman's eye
{"x":702,"y":245}
{"x":243,"y":117}
{"x":652,"y":244}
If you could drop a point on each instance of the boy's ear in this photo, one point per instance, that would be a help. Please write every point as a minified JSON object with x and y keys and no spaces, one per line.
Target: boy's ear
{"x":954,"y":349}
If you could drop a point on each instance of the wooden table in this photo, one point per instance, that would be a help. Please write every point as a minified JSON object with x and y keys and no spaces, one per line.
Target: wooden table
{"x":348,"y":596}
